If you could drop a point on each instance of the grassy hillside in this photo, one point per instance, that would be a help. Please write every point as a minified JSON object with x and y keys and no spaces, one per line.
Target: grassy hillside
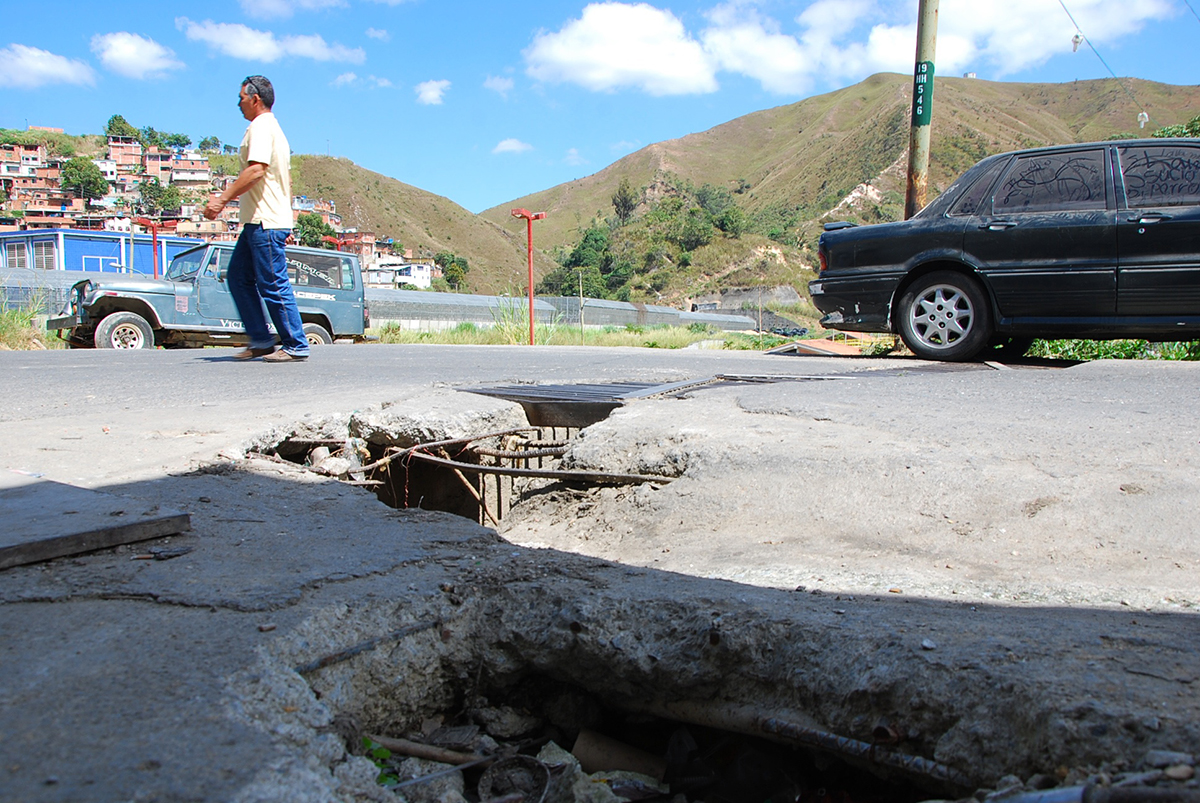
{"x":795,"y":163}
{"x":422,"y":221}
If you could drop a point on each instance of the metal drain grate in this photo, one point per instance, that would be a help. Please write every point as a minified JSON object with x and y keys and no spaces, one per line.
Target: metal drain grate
{"x":581,"y":405}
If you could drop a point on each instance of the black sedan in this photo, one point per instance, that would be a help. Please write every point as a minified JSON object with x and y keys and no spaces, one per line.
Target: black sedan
{"x":1098,"y":241}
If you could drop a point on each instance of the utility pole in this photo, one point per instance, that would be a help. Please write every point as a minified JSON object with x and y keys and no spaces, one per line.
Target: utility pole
{"x":922,"y":108}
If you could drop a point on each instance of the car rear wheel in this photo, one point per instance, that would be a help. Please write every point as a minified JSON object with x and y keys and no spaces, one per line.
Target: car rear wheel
{"x":317,"y":335}
{"x":944,"y":316}
{"x":124,"y":330}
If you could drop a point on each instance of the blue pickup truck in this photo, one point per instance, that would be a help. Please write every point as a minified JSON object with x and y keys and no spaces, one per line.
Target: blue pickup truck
{"x":191,"y":306}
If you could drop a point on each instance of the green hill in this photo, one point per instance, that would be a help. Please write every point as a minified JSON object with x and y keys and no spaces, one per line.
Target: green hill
{"x":420,"y":220}
{"x":790,"y":166}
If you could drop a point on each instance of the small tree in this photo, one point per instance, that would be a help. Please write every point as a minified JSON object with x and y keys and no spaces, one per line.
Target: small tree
{"x":624,"y":201}
{"x":733,"y":222}
{"x":181,"y":141}
{"x":1189,"y":129}
{"x":154,"y":198}
{"x":697,"y":230}
{"x":210,"y":145}
{"x":151,"y":138}
{"x":81,"y":177}
{"x":310,"y":228}
{"x":454,"y":268}
{"x":118,"y":127}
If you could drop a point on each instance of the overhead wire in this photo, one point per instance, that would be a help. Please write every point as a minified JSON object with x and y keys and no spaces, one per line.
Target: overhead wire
{"x":1124,"y":88}
{"x":1190,"y":8}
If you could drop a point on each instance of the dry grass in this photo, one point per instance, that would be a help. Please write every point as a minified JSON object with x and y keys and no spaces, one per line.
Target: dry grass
{"x":22,"y":328}
{"x":654,"y":337}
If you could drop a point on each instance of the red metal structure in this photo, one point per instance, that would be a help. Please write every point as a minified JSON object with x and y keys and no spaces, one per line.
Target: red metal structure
{"x":529,"y":218}
{"x":337,"y":242}
{"x":154,"y":226}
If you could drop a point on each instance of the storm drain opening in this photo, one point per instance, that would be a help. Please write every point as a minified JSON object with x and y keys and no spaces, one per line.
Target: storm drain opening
{"x":534,"y":739}
{"x":487,"y":725}
{"x":479,"y":477}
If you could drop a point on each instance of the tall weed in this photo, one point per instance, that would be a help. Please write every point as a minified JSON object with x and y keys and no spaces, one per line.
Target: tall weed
{"x":20,"y":324}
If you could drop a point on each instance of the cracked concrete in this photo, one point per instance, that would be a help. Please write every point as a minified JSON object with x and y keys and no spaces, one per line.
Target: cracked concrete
{"x":176,"y":680}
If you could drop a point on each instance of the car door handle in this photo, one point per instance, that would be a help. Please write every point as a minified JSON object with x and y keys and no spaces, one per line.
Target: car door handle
{"x":998,"y":225}
{"x":1148,"y":217}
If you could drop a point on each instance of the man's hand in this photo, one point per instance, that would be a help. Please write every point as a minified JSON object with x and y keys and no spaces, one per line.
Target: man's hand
{"x":213,"y":207}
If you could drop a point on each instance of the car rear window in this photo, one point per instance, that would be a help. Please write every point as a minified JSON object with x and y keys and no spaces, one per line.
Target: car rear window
{"x":320,"y":270}
{"x":1053,"y":182}
{"x":975,"y":198}
{"x":1166,"y":175}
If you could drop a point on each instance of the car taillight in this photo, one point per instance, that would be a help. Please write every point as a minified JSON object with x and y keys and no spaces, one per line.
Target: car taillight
{"x":824,"y":262}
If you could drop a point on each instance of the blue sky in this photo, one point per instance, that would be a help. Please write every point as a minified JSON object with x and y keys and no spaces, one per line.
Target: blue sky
{"x":483,"y":102}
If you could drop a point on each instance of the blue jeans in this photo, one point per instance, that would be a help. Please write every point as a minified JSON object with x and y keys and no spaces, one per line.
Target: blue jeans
{"x":258,"y":276}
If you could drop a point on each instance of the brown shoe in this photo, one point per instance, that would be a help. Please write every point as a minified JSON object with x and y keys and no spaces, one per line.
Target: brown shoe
{"x":250,"y":354}
{"x":283,"y":356}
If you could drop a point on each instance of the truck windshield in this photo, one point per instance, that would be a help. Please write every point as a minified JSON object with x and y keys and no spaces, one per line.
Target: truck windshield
{"x":186,"y":265}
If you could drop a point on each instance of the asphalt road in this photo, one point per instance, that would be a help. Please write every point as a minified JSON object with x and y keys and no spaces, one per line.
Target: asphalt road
{"x":1006,"y":561}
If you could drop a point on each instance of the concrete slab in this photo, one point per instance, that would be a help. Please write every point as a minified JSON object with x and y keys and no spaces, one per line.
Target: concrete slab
{"x":45,"y":520}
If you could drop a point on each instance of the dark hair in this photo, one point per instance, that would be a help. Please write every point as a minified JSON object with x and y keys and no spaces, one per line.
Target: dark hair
{"x":260,"y":85}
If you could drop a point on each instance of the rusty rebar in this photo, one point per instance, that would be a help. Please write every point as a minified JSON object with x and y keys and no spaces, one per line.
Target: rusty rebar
{"x":448,"y":442}
{"x":545,"y":473}
{"x":865,"y":751}
{"x":520,"y":454}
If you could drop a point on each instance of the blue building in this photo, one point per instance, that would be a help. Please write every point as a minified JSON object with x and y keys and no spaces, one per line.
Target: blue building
{"x":90,"y":251}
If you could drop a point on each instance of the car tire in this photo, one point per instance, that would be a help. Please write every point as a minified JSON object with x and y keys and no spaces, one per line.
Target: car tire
{"x":944,"y":315}
{"x":317,"y":335}
{"x":124,"y":330}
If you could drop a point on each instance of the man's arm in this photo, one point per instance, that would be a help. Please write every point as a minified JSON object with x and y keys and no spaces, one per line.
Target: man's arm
{"x":251,"y":174}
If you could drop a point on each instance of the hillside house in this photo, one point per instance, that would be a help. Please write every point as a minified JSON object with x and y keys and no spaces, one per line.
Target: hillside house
{"x":127,"y":153}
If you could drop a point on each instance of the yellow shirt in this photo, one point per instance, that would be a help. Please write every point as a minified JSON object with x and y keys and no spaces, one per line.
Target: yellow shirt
{"x":269,"y":201}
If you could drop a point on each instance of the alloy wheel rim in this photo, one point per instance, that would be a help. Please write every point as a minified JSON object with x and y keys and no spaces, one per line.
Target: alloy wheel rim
{"x":941,"y":316}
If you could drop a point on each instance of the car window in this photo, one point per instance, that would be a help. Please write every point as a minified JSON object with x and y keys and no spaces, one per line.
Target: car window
{"x":1161,"y":175}
{"x":218,"y":262}
{"x":1053,"y":182}
{"x":320,"y":270}
{"x":186,"y":265}
{"x":975,"y":199}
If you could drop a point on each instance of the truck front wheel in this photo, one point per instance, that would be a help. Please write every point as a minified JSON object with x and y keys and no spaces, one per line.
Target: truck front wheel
{"x":124,"y":330}
{"x":317,"y":335}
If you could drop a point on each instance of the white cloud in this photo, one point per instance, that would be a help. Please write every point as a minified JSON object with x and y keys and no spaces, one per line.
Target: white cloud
{"x":1005,"y":37}
{"x":501,"y":86}
{"x":243,"y":42}
{"x":381,"y":83}
{"x":743,"y":42}
{"x":430,"y":93}
{"x":25,"y":67}
{"x":619,"y":45}
{"x":573,"y":157}
{"x":392,"y":2}
{"x":379,"y":33}
{"x":512,"y":145}
{"x":267,"y":9}
{"x":134,"y":56}
{"x":994,"y":37}
{"x":345,"y":79}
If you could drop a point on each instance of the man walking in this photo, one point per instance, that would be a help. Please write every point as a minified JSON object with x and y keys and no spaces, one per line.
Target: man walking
{"x":257,"y":272}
